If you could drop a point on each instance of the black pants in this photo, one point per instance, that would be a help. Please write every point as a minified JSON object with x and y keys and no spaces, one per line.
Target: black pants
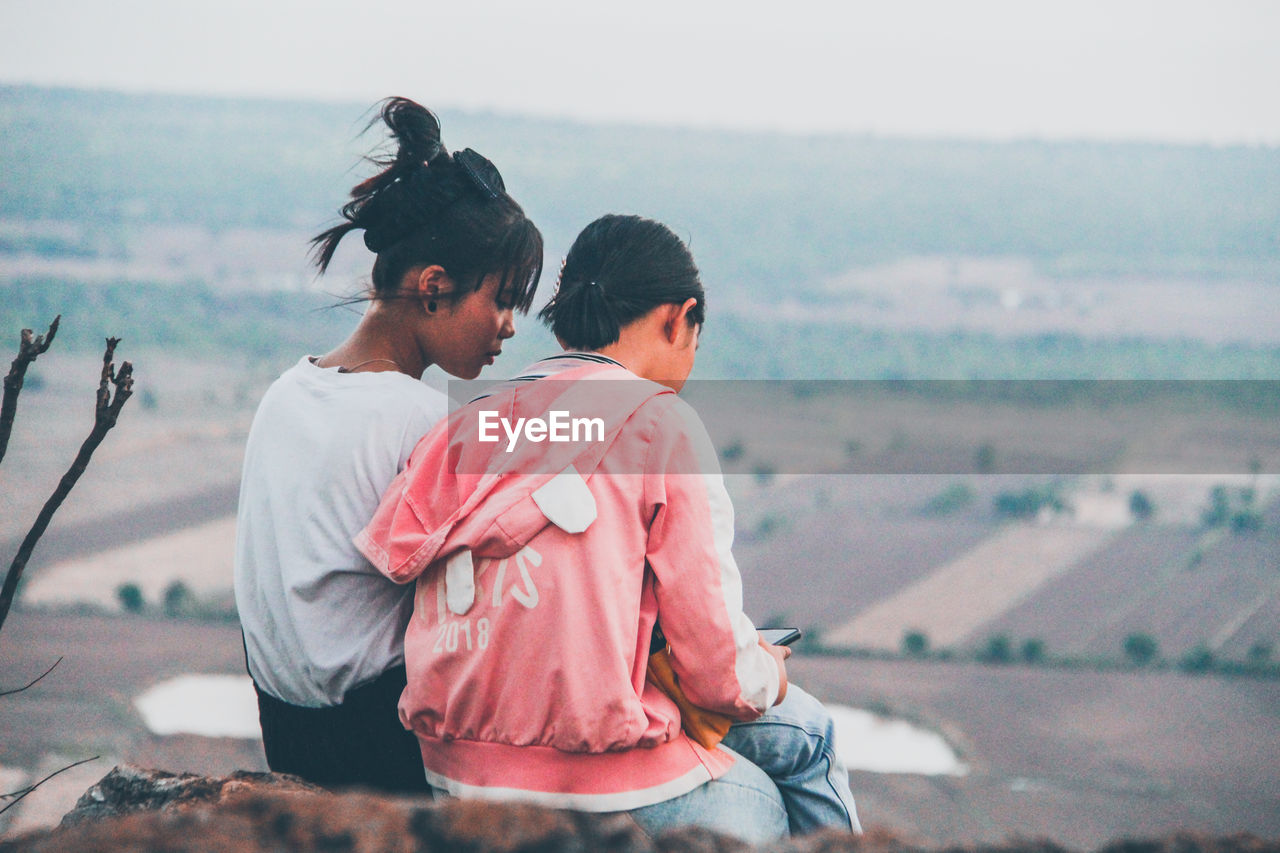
{"x":358,"y":743}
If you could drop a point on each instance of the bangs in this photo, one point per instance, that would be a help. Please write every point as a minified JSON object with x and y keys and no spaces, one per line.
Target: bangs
{"x":519,"y":257}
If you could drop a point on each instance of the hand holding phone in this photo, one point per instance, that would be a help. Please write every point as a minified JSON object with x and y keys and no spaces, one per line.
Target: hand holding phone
{"x":779,"y":653}
{"x":780,"y":636}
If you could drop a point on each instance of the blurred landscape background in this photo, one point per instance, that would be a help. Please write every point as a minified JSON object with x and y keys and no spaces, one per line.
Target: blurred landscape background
{"x":1096,"y":643}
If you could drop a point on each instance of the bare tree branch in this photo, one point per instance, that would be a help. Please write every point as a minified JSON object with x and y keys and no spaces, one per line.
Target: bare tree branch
{"x":105,"y":413}
{"x":35,"y":681}
{"x":28,"y":350}
{"x":17,"y":795}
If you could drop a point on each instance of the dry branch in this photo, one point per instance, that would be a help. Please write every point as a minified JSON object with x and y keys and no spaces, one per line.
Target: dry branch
{"x":33,"y":681}
{"x":28,"y":350}
{"x":106,"y":411}
{"x":17,"y":795}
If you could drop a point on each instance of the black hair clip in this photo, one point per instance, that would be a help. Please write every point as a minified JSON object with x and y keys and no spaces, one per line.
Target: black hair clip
{"x":481,"y":171}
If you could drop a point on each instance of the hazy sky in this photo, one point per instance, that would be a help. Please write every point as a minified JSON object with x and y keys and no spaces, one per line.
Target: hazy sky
{"x":1184,"y":70}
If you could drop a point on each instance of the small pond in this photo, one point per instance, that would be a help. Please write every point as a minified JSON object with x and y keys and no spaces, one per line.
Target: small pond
{"x":877,"y":744}
{"x":225,"y":706}
{"x":209,"y":705}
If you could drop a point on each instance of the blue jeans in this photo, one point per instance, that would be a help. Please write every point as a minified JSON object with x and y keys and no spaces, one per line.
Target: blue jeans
{"x":743,"y":803}
{"x":793,"y":743}
{"x":787,"y":778}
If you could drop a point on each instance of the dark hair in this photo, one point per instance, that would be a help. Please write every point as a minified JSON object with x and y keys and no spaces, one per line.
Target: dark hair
{"x":427,"y":206}
{"x":619,"y":269}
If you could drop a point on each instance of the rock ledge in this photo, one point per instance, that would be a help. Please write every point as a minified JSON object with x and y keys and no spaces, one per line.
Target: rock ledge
{"x":151,"y":810}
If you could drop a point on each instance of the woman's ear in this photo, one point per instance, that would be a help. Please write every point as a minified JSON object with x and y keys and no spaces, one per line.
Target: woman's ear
{"x":430,"y":284}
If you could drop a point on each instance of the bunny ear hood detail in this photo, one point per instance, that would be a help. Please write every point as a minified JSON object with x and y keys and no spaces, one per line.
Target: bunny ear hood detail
{"x":461,"y":492}
{"x":565,"y":501}
{"x":460,"y":582}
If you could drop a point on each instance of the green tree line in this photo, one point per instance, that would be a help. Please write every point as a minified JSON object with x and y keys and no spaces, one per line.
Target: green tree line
{"x":198,"y":320}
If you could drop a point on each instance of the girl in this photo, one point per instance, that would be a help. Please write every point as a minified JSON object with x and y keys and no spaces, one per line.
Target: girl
{"x":543,"y":567}
{"x":455,"y":257}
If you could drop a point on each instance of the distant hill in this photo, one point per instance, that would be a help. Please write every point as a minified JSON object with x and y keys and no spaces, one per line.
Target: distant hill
{"x":770,"y":212}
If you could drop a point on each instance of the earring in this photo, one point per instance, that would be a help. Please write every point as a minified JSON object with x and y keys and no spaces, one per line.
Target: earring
{"x":431,"y":307}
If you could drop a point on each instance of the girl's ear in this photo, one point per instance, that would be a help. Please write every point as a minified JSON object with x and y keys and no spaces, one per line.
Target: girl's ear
{"x":677,"y":324}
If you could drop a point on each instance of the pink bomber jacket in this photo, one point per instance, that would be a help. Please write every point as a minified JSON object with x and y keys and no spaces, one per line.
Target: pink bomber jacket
{"x":541,"y":569}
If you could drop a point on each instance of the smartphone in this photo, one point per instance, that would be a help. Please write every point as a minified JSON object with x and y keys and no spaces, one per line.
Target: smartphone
{"x":780,"y":636}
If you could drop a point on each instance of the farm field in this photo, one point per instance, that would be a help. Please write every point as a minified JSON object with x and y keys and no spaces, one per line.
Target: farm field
{"x":1182,"y":587}
{"x":1100,"y":590}
{"x":857,"y":562}
{"x":959,"y":597}
{"x":1009,"y":296}
{"x":199,"y":557}
{"x":813,"y":551}
{"x":1080,"y":757}
{"x":179,"y":444}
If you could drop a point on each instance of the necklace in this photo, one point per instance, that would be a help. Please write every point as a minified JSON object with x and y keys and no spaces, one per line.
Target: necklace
{"x":356,"y":367}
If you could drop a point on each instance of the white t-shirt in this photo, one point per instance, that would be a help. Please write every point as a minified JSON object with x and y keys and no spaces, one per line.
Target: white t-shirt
{"x":318,"y":619}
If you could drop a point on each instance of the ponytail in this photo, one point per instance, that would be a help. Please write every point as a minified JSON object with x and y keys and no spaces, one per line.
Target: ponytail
{"x":619,"y":269}
{"x":583,"y":308}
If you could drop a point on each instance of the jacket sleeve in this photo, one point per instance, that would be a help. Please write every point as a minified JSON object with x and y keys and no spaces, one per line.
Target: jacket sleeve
{"x":714,"y":646}
{"x":430,"y":512}
{"x":406,"y":531}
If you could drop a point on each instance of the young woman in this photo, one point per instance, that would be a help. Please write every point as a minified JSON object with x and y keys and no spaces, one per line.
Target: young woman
{"x":543,"y":566}
{"x":455,"y":257}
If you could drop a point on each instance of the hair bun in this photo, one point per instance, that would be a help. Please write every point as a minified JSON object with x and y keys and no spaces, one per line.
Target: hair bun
{"x":425,"y":207}
{"x":416,"y":131}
